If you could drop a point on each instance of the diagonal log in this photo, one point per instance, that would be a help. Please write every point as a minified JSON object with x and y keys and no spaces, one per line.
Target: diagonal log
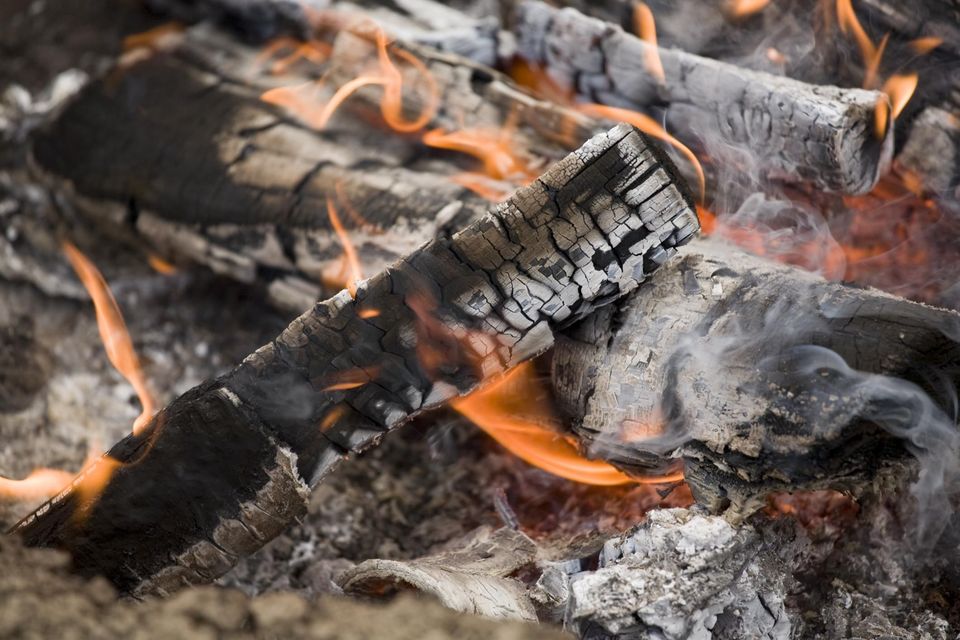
{"x":762,"y":377}
{"x":796,"y":131}
{"x":228,"y":465}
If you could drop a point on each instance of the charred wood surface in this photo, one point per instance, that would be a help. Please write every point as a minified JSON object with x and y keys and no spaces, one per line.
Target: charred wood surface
{"x":757,"y":374}
{"x":932,"y":151}
{"x":821,"y":134}
{"x":229,"y":464}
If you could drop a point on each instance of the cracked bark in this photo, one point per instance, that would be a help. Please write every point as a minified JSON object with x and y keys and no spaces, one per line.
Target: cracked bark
{"x":228,"y":465}
{"x":710,"y":351}
{"x":796,"y":131}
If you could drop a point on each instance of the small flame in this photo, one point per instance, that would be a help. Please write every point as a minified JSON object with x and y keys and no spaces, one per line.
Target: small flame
{"x":353,"y":378}
{"x":776,"y":56}
{"x":41,"y":483}
{"x":154,"y":38}
{"x":355,"y":273}
{"x":366,"y":314}
{"x":652,"y":128}
{"x":897,"y":91}
{"x":388,"y":76}
{"x":113,"y":331}
{"x":160,"y":265}
{"x":332,"y":417}
{"x":745,"y":8}
{"x":646,"y":28}
{"x":295,"y":50}
{"x":925,"y":45}
{"x":486,"y":188}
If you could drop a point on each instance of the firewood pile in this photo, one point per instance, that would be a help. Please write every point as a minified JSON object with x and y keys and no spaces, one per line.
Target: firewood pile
{"x":623,"y":319}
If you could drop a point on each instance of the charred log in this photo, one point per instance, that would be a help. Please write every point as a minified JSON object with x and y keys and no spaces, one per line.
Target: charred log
{"x":923,"y":18}
{"x":932,"y":150}
{"x":761,"y":377}
{"x":229,"y":464}
{"x":824,"y":135}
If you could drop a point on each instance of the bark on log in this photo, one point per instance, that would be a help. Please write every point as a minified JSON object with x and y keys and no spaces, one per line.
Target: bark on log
{"x":724,"y":355}
{"x":824,"y":135}
{"x":229,"y":464}
{"x":245,"y":191}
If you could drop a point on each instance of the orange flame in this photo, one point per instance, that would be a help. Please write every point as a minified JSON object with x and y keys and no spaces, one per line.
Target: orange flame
{"x":515,"y":412}
{"x":311,"y":50}
{"x":745,"y":8}
{"x":898,"y":89}
{"x":355,"y":273}
{"x":152,"y":38}
{"x":353,"y":378}
{"x":41,"y":483}
{"x":871,"y":54}
{"x":646,"y":28}
{"x":160,"y":265}
{"x":652,"y":128}
{"x":483,"y":186}
{"x":113,"y":331}
{"x":388,"y":76}
{"x":925,"y":45}
{"x":497,"y":149}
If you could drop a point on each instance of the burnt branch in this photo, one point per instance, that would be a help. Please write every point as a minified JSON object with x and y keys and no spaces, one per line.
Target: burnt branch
{"x":762,"y":377}
{"x":229,"y":464}
{"x":796,"y":131}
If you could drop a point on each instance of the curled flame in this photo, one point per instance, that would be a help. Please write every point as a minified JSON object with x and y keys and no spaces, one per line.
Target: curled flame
{"x":652,"y":128}
{"x":514,"y":411}
{"x":295,"y":50}
{"x":113,"y":331}
{"x":646,"y":28}
{"x":354,"y":272}
{"x":388,"y":76}
{"x":898,"y":89}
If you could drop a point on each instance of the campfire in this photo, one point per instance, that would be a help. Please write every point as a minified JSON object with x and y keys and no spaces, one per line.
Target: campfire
{"x":594,"y":319}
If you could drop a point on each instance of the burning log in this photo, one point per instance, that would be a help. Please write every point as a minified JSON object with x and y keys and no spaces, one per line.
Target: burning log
{"x":471,"y":579}
{"x":229,"y":464}
{"x":923,"y":19}
{"x":247,"y":196}
{"x":763,"y":378}
{"x":824,"y":135}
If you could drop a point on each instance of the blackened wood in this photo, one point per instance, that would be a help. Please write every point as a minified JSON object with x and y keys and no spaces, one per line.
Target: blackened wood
{"x":228,"y":465}
{"x":932,"y":151}
{"x":821,"y":134}
{"x":701,"y":364}
{"x":919,"y":19}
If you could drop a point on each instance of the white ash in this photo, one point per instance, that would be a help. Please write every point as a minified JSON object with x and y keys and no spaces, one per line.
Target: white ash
{"x":682,"y":575}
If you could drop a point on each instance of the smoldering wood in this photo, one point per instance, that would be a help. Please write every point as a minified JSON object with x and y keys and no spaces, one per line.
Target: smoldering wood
{"x":703,"y":355}
{"x":229,"y":464}
{"x":245,"y":194}
{"x":820,"y":134}
{"x":918,"y":19}
{"x":474,"y":577}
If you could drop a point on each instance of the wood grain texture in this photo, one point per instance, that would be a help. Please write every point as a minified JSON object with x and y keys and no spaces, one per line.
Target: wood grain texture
{"x":227,"y":465}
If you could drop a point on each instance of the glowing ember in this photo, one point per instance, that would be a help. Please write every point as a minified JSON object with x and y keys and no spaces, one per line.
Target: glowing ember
{"x":160,"y":265}
{"x":353,"y":379}
{"x":745,"y":8}
{"x":113,"y":331}
{"x":317,"y":113}
{"x":355,"y":274}
{"x":515,"y":412}
{"x":646,"y":28}
{"x":652,"y":128}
